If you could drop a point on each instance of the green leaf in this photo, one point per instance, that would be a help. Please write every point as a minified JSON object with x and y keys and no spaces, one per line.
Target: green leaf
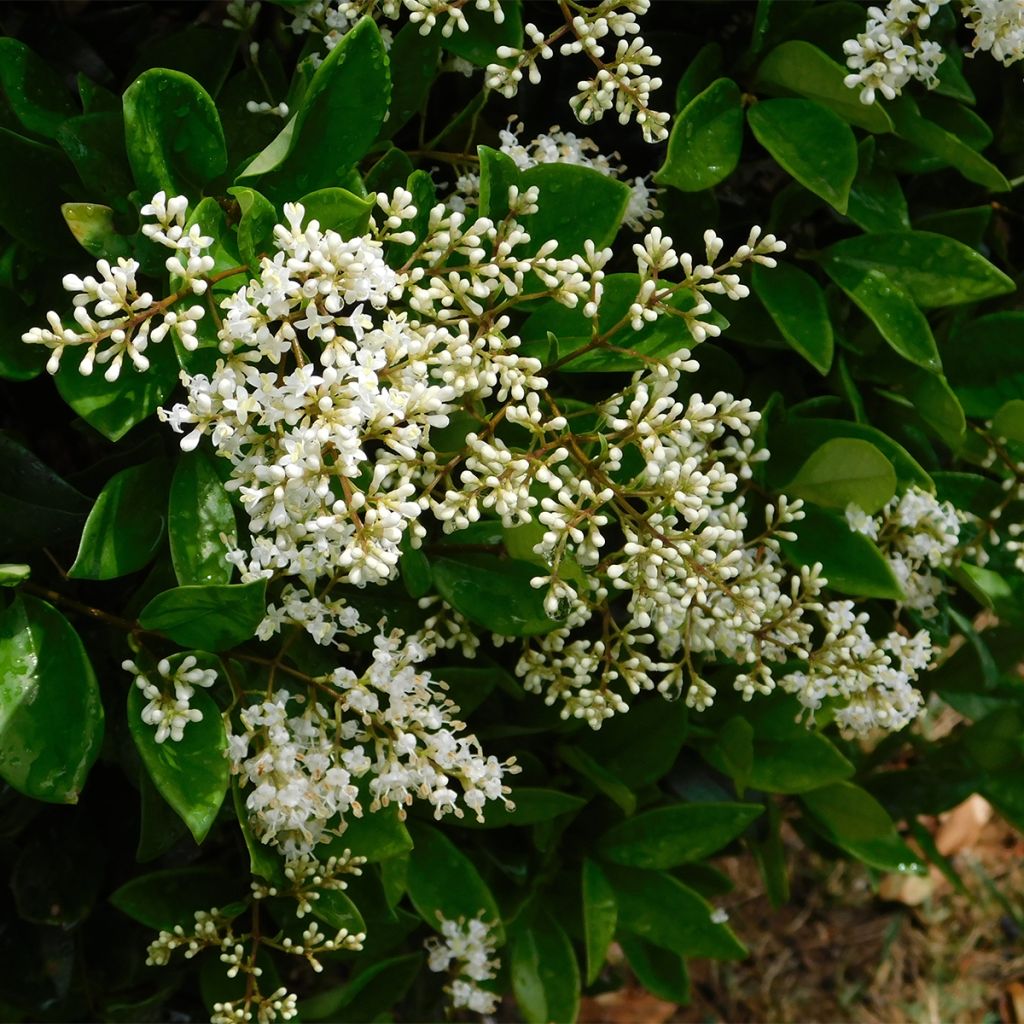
{"x":985,"y":362}
{"x":796,"y":302}
{"x":163,"y":899}
{"x":706,"y":139}
{"x":200,"y":521}
{"x":93,"y":228}
{"x":659,"y":971}
{"x":35,"y":92}
{"x":377,"y":835}
{"x":949,"y":148}
{"x":192,"y":774}
{"x":256,"y":228}
{"x":126,"y":525}
{"x":51,"y":717}
{"x":1008,"y":421}
{"x":173,"y":133}
{"x":669,"y":836}
{"x":935,"y":270}
{"x":937,"y":404}
{"x":659,"y":908}
{"x":37,"y":507}
{"x":850,"y":561}
{"x":444,"y":882}
{"x":498,"y":173}
{"x":576,"y":204}
{"x":494,"y":593}
{"x":792,"y":442}
{"x":337,"y":120}
{"x":32,"y":187}
{"x":95,"y":145}
{"x":856,"y":822}
{"x":845,"y":471}
{"x":545,"y":974}
{"x":598,"y":776}
{"x":339,"y":210}
{"x":699,"y":73}
{"x":600,"y":916}
{"x":479,"y":44}
{"x":531,"y":806}
{"x":414,"y":62}
{"x":337,"y":911}
{"x":114,"y":407}
{"x":263,"y":860}
{"x":210,"y":618}
{"x":206,"y":52}
{"x":798,"y":68}
{"x":877,"y":202}
{"x":369,"y":993}
{"x":12,"y":574}
{"x":811,"y":143}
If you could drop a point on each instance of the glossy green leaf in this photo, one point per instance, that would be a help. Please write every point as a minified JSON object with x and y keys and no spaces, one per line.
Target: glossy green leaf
{"x":33,"y":184}
{"x":850,"y":562}
{"x":370,"y":992}
{"x":660,"y":971}
{"x":337,"y":209}
{"x":810,"y":142}
{"x":337,"y":120}
{"x":856,"y":822}
{"x":699,"y":74}
{"x":192,"y":774}
{"x":256,"y":227}
{"x":545,"y":974}
{"x":173,"y":133}
{"x":126,"y":525}
{"x":933,"y":269}
{"x":798,"y":68}
{"x":845,"y":471}
{"x":51,"y":717}
{"x":414,"y":64}
{"x":948,"y":147}
{"x":494,"y":593}
{"x":707,"y":135}
{"x":532,"y":805}
{"x":576,"y":204}
{"x":498,"y":173}
{"x":264,"y":861}
{"x":206,"y":52}
{"x":93,"y":228}
{"x":377,"y":835}
{"x":37,"y":507}
{"x":600,"y":916}
{"x":480,"y":42}
{"x":796,"y":302}
{"x":95,"y":145}
{"x":669,"y":836}
{"x":200,"y":521}
{"x":1008,"y":421}
{"x":209,"y":618}
{"x":877,"y":202}
{"x":444,"y":883}
{"x":163,"y":899}
{"x":11,"y":573}
{"x":792,"y":442}
{"x":984,"y":362}
{"x":337,"y":911}
{"x":35,"y":92}
{"x":598,"y":776}
{"x":114,"y":407}
{"x":658,"y":907}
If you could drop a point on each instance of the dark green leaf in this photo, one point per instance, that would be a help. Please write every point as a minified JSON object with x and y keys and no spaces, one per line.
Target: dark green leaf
{"x":95,"y":145}
{"x":850,"y":561}
{"x":35,"y":92}
{"x":669,"y":836}
{"x":659,"y":908}
{"x":377,"y":835}
{"x":163,"y":899}
{"x":414,"y":59}
{"x":192,"y":774}
{"x":796,"y":302}
{"x":173,"y":133}
{"x":370,"y":992}
{"x":659,"y":971}
{"x":200,"y":521}
{"x":339,"y":210}
{"x":478,"y":45}
{"x":845,"y":470}
{"x":444,"y":882}
{"x":706,"y":139}
{"x":598,"y":776}
{"x":545,"y":974}
{"x":797,"y":68}
{"x":531,"y":806}
{"x":985,"y":362}
{"x":935,"y":270}
{"x":210,"y":618}
{"x":498,"y":173}
{"x":126,"y":525}
{"x":51,"y":717}
{"x":699,"y":74}
{"x":811,"y":143}
{"x":494,"y":593}
{"x":256,"y":228}
{"x":856,"y":822}
{"x":1008,"y":422}
{"x":337,"y":911}
{"x":600,"y":915}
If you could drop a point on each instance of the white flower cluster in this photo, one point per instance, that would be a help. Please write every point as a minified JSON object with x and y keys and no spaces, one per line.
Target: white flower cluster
{"x":125,"y":321}
{"x":891,"y":51}
{"x":391,"y":724}
{"x":465,"y":951}
{"x":307,"y":878}
{"x":169,"y":708}
{"x":917,"y":534}
{"x":558,"y":147}
{"x":871,"y":679}
{"x":621,"y":82}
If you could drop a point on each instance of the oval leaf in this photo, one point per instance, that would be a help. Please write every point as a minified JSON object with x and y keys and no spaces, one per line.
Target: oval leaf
{"x":845,"y":471}
{"x":545,"y":974}
{"x":796,"y":302}
{"x":600,"y":915}
{"x":51,"y":717}
{"x":211,"y":618}
{"x":200,"y":521}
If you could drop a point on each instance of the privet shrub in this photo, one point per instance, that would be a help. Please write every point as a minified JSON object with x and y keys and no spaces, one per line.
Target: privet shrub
{"x":398,"y":582}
